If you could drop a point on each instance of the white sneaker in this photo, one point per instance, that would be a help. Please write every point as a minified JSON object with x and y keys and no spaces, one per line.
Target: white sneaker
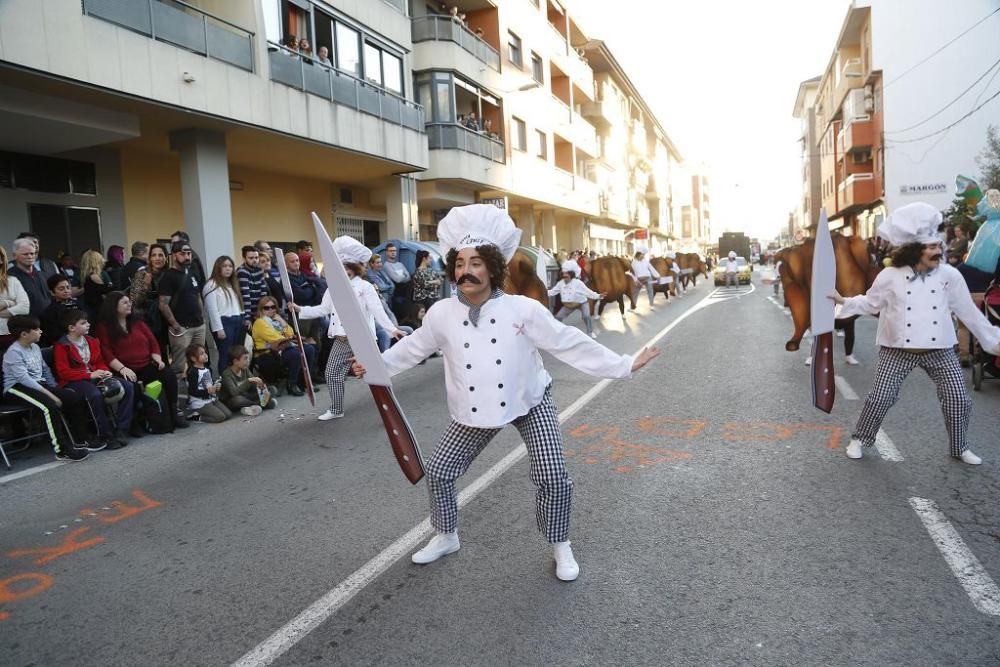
{"x":252,"y":410}
{"x":855,"y":450}
{"x":330,"y":414}
{"x":851,"y":361}
{"x":808,"y":361}
{"x":970,"y":458}
{"x":566,"y":566}
{"x":840,"y":333}
{"x":593,"y":334}
{"x":441,"y":544}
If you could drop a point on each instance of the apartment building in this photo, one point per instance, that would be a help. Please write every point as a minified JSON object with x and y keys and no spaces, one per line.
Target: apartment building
{"x":124,"y":121}
{"x":896,"y":108}
{"x":808,"y":208}
{"x":572,"y":152}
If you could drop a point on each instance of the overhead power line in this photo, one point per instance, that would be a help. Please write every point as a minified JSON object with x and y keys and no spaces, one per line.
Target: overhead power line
{"x":947,"y":127}
{"x":947,"y":106}
{"x":942,"y":47}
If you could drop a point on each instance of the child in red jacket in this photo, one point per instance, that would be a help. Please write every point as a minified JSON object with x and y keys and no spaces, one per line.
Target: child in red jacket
{"x":80,"y":367}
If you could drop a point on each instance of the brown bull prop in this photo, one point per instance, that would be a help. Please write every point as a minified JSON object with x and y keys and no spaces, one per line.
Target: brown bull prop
{"x":855,"y":273}
{"x":665,"y":267}
{"x":694,"y":262}
{"x":522,"y":279}
{"x":609,"y":276}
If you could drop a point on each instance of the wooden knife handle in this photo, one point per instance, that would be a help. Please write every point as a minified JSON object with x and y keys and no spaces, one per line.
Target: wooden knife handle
{"x":404,"y":445}
{"x":822,"y":370}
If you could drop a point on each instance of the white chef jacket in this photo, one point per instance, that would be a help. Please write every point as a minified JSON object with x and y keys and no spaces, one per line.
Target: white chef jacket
{"x":643,"y":269}
{"x":494,"y":372}
{"x":732,"y":266}
{"x":371,"y":305}
{"x":915,"y":312}
{"x":573,"y":291}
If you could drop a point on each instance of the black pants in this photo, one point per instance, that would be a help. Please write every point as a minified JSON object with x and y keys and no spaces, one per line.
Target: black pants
{"x":73,"y":406}
{"x":150,"y":373}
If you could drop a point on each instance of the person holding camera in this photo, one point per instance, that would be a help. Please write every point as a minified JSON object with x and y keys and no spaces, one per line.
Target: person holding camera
{"x":80,"y":366}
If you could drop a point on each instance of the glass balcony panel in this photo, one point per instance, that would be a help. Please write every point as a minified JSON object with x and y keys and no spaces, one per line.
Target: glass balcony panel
{"x":285,"y":69}
{"x":317,"y":80}
{"x":230,"y":47}
{"x":179,"y":28}
{"x":134,"y":15}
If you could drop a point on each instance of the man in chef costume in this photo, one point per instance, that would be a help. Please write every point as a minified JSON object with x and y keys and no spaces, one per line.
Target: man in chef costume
{"x":574,"y":295}
{"x":915,"y":299}
{"x":732,"y":270}
{"x":355,"y":257}
{"x":494,"y":376}
{"x":645,"y":275}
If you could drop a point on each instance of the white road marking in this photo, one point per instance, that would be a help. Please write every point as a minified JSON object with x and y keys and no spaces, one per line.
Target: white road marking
{"x":887,"y":448}
{"x":844,"y":388}
{"x":322,"y":609}
{"x":31,"y":471}
{"x":978,"y":584}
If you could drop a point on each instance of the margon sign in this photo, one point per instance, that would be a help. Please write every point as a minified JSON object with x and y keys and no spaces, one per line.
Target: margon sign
{"x":930,"y":189}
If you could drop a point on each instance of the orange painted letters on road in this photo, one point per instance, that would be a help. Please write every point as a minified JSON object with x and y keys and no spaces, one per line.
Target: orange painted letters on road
{"x":68,"y":546}
{"x":125,"y":511}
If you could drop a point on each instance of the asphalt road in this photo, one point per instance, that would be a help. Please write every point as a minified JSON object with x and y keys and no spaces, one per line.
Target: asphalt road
{"x":716,"y":521}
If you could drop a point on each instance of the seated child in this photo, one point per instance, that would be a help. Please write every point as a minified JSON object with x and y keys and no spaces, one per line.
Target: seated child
{"x":81,"y":367}
{"x":241,"y":389}
{"x":202,"y":389}
{"x":26,"y":379}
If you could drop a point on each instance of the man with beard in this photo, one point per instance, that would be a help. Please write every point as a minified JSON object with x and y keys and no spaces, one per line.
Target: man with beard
{"x":494,"y":376}
{"x":181,"y":306}
{"x":914,"y":300}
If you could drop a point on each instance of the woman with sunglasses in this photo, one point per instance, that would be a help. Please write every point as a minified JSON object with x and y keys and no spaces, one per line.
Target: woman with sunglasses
{"x":274,"y":347}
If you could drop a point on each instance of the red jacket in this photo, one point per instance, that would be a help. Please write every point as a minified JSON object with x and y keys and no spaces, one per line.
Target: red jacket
{"x":69,"y":363}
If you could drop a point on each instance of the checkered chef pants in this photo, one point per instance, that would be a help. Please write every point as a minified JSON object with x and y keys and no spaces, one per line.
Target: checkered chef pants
{"x":337,"y":365}
{"x":460,"y":445}
{"x":894,"y":364}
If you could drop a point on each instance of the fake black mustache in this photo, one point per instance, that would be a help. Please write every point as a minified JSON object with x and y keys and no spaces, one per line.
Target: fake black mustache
{"x":936,"y":257}
{"x":469,"y":278}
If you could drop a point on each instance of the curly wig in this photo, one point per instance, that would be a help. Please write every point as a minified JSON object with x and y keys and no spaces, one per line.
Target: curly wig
{"x":907,"y":255}
{"x":496,"y":265}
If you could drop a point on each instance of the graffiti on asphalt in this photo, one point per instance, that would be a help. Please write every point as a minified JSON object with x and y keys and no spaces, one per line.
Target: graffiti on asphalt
{"x":627,"y":453}
{"x":29,"y":584}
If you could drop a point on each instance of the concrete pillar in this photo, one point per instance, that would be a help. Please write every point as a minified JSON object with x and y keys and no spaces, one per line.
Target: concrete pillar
{"x":550,"y":238}
{"x":526,"y":223}
{"x":208,"y":214}
{"x":401,"y":217}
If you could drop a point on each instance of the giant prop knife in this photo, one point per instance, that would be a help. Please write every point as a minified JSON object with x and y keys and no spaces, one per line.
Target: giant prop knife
{"x":824,"y":280}
{"x":286,"y":285}
{"x":355,"y":323}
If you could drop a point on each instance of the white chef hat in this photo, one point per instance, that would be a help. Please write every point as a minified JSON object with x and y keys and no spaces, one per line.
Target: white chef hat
{"x":732,"y":254}
{"x":479,"y":224}
{"x":349,"y":249}
{"x":642,"y":248}
{"x":670,"y":254}
{"x":913,"y":223}
{"x":570,"y":266}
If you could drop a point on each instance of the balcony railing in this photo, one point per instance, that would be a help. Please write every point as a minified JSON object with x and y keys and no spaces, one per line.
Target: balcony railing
{"x":458,"y":137}
{"x":563,"y":179}
{"x":445,"y":29}
{"x":293,"y":70}
{"x":189,"y":28}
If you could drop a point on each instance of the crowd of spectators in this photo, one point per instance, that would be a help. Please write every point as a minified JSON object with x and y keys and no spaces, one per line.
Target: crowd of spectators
{"x":104,"y":345}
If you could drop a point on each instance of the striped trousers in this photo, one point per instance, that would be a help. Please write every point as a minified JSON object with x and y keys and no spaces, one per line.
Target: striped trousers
{"x":459,"y":447}
{"x":942,"y":366}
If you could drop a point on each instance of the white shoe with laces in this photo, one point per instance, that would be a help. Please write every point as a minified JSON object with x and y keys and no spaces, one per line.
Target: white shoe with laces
{"x":330,"y":414}
{"x":440,"y":545}
{"x":851,"y":360}
{"x":567,"y":568}
{"x":855,"y":450}
{"x":251,"y":410}
{"x":593,"y":334}
{"x":808,"y":361}
{"x":970,"y":458}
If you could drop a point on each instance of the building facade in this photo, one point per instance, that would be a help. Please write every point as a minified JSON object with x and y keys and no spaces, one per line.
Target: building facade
{"x":899,"y":111}
{"x":125,"y":121}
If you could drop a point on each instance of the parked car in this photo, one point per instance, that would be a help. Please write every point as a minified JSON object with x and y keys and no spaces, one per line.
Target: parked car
{"x":743,"y":271}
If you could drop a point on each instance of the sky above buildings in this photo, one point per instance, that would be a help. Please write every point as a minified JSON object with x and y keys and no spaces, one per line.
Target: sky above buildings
{"x":721,"y":76}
